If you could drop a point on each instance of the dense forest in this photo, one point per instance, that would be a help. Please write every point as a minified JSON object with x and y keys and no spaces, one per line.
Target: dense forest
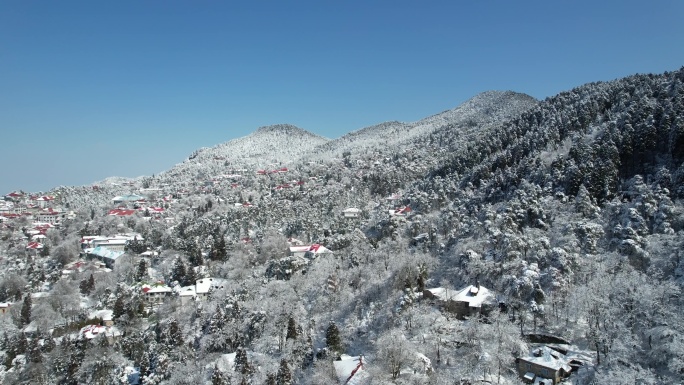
{"x":568,"y":211}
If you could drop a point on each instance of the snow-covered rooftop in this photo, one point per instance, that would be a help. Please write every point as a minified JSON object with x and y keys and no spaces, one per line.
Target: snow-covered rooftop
{"x":92,"y":331}
{"x":350,"y":370}
{"x":105,"y":314}
{"x":548,"y":358}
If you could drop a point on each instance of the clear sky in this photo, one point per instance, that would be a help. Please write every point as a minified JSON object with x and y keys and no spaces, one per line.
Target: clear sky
{"x":90,"y":89}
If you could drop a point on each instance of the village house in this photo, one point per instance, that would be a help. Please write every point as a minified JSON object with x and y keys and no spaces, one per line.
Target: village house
{"x":156,"y":294}
{"x":92,"y":331}
{"x":4,"y":308}
{"x":351,"y":370}
{"x":43,"y":201}
{"x":49,"y":215}
{"x":128,"y":198}
{"x":34,"y":247}
{"x":200,"y":290}
{"x":106,"y":315}
{"x":351,"y":212}
{"x":467,"y":302}
{"x":400,"y":213}
{"x":544,"y":366}
{"x":309,"y":251}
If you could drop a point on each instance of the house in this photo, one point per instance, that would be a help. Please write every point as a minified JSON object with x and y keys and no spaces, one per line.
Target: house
{"x":469,"y":301}
{"x":351,"y":212}
{"x":115,"y":243}
{"x":91,"y":331}
{"x":187,"y":294}
{"x":351,"y":370}
{"x":43,"y":201}
{"x":4,"y":308}
{"x":309,"y":251}
{"x":112,"y":244}
{"x":50,"y":215}
{"x":156,"y":294}
{"x":121,"y":212}
{"x":128,"y":198}
{"x":400,"y":212}
{"x":544,"y":366}
{"x":108,"y":257}
{"x":205,"y":285}
{"x":107,"y":316}
{"x":34,"y":247}
{"x":14,"y":196}
{"x":200,"y":290}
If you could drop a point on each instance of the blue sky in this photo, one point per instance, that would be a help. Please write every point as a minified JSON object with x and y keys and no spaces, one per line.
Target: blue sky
{"x":90,"y":89}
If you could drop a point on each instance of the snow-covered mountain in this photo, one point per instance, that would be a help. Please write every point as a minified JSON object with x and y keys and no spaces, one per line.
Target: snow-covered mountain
{"x":569,"y":211}
{"x":482,"y":110}
{"x":268,"y":146}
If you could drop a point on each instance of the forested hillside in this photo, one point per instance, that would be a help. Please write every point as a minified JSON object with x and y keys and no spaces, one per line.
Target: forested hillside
{"x":566,"y":214}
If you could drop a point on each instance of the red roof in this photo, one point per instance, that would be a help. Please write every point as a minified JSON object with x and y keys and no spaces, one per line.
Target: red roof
{"x":121,"y":212}
{"x":34,"y":245}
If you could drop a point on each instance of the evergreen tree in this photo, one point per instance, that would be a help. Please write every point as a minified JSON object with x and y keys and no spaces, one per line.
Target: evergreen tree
{"x":332,"y":338}
{"x":242,"y":364}
{"x":218,"y":248}
{"x":284,"y":375}
{"x":178,"y":272}
{"x":291,"y":329}
{"x":174,"y":334}
{"x":218,"y":377}
{"x":195,"y":257}
{"x":190,"y":276}
{"x":141,"y":272}
{"x":144,"y":364}
{"x":270,"y":379}
{"x":91,"y":283}
{"x":119,"y":307}
{"x":25,"y":314}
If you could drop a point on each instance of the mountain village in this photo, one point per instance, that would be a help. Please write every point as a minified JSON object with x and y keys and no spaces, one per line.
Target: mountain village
{"x":506,"y":241}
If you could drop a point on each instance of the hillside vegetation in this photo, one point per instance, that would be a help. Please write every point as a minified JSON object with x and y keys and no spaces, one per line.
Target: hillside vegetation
{"x":568,"y":211}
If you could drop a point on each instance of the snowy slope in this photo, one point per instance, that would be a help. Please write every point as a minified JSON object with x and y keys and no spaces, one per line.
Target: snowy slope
{"x":271,"y":145}
{"x":484,"y":109}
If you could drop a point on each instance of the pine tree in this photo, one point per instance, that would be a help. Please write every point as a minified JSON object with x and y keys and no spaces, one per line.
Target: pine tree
{"x":242,"y":364}
{"x":218,"y":249}
{"x":25,"y":314}
{"x":141,"y":272}
{"x":91,"y":283}
{"x":218,"y":377}
{"x":270,"y":379}
{"x":144,"y":364}
{"x":332,"y":338}
{"x":174,"y":334}
{"x":195,"y":257}
{"x":119,"y":307}
{"x":190,"y":277}
{"x":284,"y":375}
{"x":291,"y":329}
{"x":178,"y":272}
